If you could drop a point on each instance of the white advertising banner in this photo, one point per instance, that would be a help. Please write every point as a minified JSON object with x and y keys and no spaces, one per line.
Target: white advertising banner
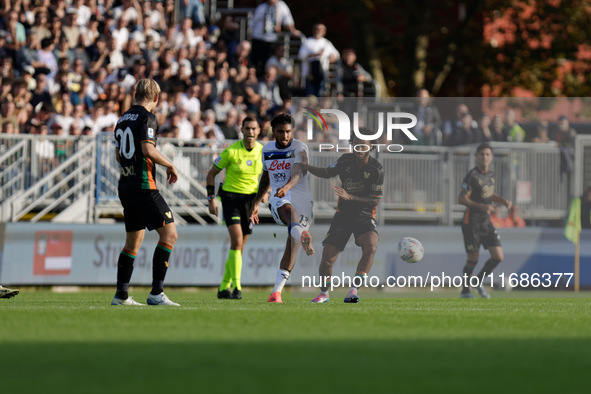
{"x":82,"y":254}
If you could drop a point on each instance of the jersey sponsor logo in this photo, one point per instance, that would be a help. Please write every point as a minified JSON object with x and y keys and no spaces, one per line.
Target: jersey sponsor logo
{"x":150,"y":132}
{"x":488,"y":191}
{"x":279,"y":165}
{"x":249,"y":163}
{"x":351,"y":186}
{"x":127,"y":171}
{"x":366,"y":175}
{"x":279,"y":177}
{"x":376,"y":188}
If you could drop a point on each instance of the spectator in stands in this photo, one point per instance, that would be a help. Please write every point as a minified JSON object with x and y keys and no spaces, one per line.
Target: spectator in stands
{"x":206,"y":97}
{"x":27,"y":54}
{"x":190,"y":100}
{"x":70,"y":29}
{"x":90,"y":120}
{"x":565,"y":137}
{"x":39,"y":28}
{"x":83,"y":13}
{"x":541,"y":136}
{"x":108,"y":119}
{"x":268,"y":19}
{"x":513,"y":131}
{"x":466,"y":133}
{"x":130,"y":11}
{"x":498,"y":130}
{"x":180,"y":121}
{"x":223,"y":106}
{"x":241,"y":57}
{"x":269,"y":90}
{"x":484,"y":128}
{"x":427,"y":130}
{"x":230,"y":126}
{"x":45,"y":150}
{"x":351,"y":76}
{"x":220,"y":83}
{"x":41,"y":92}
{"x":316,"y":53}
{"x":46,"y":56}
{"x":513,"y":219}
{"x":284,"y":68}
{"x":212,"y":130}
{"x":230,"y":34}
{"x":15,"y":33}
{"x":142,"y":33}
{"x":63,"y":118}
{"x":8,"y":114}
{"x":451,"y":125}
{"x":194,"y":10}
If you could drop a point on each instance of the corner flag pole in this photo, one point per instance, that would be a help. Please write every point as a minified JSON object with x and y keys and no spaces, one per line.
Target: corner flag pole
{"x":577,"y":261}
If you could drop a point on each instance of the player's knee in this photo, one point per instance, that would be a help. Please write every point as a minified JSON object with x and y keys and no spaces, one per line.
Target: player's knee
{"x":473,"y":256}
{"x":171,"y":236}
{"x":236,"y":244}
{"x":370,"y":249}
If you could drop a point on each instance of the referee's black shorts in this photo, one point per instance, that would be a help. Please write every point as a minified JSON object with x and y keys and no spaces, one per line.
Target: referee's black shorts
{"x":143,"y":209}
{"x":237,"y":209}
{"x":480,"y":233}
{"x":342,"y":226}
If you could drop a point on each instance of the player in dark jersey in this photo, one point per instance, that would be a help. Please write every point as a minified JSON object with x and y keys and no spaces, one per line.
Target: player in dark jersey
{"x":243,"y":163}
{"x":362,"y":179}
{"x":143,"y":206}
{"x":478,"y":195}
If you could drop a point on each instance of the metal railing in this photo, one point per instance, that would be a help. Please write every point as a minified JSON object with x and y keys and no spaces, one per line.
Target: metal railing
{"x":421,"y":184}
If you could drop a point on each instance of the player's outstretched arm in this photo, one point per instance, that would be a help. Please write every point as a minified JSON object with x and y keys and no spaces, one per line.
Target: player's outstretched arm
{"x":500,"y":200}
{"x":263,"y":188}
{"x":150,"y":151}
{"x":316,"y":171}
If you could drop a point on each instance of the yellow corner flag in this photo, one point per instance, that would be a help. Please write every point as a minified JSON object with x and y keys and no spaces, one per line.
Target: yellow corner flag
{"x":573,"y":224}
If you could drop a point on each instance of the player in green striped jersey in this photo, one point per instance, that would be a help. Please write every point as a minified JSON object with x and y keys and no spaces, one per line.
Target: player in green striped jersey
{"x":243,"y":163}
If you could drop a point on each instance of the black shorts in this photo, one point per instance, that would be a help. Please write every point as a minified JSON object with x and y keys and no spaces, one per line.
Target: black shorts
{"x":342,"y":226}
{"x":237,"y":209}
{"x":476,"y":234}
{"x":144,"y":209}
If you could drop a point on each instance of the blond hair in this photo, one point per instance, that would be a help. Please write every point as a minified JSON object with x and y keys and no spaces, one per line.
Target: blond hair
{"x":146,"y":90}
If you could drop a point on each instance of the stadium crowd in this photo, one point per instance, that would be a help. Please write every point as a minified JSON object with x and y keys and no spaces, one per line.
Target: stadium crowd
{"x":68,"y":67}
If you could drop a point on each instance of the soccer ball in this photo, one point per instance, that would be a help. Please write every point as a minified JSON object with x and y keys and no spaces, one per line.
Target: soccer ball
{"x":410,"y":250}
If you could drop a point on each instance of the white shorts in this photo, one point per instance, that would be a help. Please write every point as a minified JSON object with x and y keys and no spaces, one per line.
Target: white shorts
{"x":304,"y":211}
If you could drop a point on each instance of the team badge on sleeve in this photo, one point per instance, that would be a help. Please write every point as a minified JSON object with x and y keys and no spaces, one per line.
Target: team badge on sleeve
{"x":150,"y":132}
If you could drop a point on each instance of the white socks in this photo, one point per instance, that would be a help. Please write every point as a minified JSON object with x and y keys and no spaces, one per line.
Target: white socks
{"x":296,"y":231}
{"x":282,"y":277}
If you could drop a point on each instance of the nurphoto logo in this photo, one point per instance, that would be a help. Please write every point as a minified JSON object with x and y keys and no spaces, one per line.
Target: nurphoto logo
{"x":387,"y":122}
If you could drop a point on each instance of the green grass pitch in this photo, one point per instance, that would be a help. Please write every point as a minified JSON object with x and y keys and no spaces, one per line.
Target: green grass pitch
{"x":78,"y":343}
